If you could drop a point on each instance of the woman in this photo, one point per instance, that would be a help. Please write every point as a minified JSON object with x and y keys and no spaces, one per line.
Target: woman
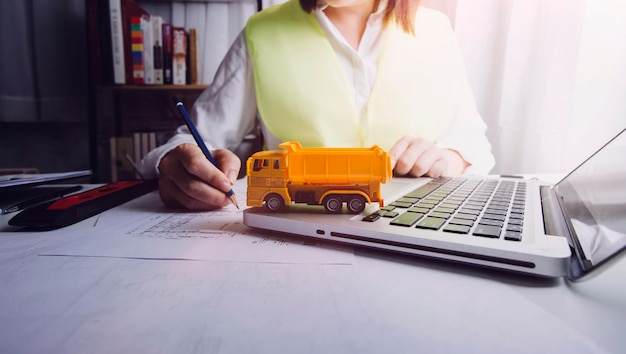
{"x":339,"y":73}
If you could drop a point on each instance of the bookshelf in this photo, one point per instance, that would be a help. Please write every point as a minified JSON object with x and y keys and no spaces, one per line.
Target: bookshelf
{"x":122,"y":110}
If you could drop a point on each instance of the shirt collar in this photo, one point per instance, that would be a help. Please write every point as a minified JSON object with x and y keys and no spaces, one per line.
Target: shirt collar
{"x":322,"y":5}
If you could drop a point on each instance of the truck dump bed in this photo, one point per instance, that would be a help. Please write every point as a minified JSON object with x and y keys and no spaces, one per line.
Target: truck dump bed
{"x":337,"y":166}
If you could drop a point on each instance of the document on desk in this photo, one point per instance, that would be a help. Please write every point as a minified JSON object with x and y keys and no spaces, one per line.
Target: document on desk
{"x":145,"y":229}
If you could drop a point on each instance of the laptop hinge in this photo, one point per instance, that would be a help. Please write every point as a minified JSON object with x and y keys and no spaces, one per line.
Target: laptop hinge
{"x":555,"y":223}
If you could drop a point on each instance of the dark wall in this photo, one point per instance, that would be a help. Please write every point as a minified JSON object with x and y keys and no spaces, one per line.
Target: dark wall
{"x":44,"y":85}
{"x":50,"y":147}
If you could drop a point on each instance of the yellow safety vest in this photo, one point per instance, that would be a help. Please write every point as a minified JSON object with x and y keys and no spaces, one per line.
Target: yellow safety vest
{"x":302,"y":93}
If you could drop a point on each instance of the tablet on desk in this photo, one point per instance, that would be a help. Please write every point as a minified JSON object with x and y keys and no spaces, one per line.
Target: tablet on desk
{"x":8,"y":182}
{"x":72,"y":209}
{"x":18,"y":199}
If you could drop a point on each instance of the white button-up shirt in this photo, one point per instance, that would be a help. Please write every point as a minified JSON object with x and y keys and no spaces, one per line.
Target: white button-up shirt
{"x":226,"y":111}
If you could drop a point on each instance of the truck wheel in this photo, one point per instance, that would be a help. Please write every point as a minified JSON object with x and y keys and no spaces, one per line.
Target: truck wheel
{"x":332,"y":204}
{"x":356,"y":204}
{"x":274,"y":202}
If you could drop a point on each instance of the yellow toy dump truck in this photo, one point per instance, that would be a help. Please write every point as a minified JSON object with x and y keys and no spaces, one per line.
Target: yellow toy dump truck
{"x":317,"y":176}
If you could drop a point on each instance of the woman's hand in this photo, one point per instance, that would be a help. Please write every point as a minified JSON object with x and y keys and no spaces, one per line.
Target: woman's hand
{"x":416,"y":157}
{"x":189,"y":180}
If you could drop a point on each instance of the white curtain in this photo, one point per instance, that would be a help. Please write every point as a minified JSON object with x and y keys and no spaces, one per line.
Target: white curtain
{"x":549,"y":76}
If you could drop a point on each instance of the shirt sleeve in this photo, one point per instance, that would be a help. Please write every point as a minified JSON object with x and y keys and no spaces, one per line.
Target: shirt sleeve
{"x":467,"y":136}
{"x":224,"y":113}
{"x":467,"y":132}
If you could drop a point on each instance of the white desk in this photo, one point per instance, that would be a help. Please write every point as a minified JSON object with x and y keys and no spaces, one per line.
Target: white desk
{"x":383,"y":303}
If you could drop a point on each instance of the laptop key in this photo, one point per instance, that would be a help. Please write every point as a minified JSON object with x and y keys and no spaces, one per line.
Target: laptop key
{"x":499,"y":217}
{"x":407,"y":200}
{"x":487,"y":231}
{"x":466,"y":216}
{"x":430,"y":223}
{"x":449,"y":205}
{"x":516,"y":228}
{"x":423,"y":191}
{"x":437,"y":214}
{"x":401,"y":204}
{"x":496,"y":211}
{"x":491,"y":222}
{"x":388,"y":214}
{"x":513,"y":236}
{"x":372,"y":217}
{"x":406,"y":219}
{"x":459,"y":221}
{"x":457,"y":229}
{"x":441,"y":209}
{"x":473,"y":206}
{"x":423,"y":204}
{"x":469,"y":211}
{"x":416,"y":209}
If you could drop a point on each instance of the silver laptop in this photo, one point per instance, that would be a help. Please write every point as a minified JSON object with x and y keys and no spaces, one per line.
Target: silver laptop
{"x":565,"y":229}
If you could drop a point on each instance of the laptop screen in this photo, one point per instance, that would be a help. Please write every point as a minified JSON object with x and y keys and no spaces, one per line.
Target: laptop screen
{"x":594,"y":199}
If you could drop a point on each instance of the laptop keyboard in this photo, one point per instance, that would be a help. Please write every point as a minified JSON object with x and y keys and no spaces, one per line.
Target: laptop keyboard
{"x":477,"y":207}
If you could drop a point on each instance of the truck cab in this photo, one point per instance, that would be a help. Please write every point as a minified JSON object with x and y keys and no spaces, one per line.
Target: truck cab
{"x":267,"y":176}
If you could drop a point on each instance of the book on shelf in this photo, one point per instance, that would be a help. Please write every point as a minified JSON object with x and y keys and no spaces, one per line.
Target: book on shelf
{"x":137,"y":53}
{"x":157,"y":48}
{"x":125,"y":39}
{"x":137,"y":155}
{"x":167,"y":53}
{"x":192,"y":57}
{"x":133,"y":147}
{"x":121,"y":167}
{"x":179,"y":56}
{"x":117,"y":41}
{"x":148,"y":56}
{"x":131,"y":10}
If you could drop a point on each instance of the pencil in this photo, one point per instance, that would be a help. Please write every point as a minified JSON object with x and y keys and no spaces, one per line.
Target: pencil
{"x":192,"y":128}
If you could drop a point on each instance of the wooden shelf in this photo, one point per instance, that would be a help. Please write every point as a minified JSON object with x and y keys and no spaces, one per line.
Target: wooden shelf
{"x":151,"y":87}
{"x":200,"y":1}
